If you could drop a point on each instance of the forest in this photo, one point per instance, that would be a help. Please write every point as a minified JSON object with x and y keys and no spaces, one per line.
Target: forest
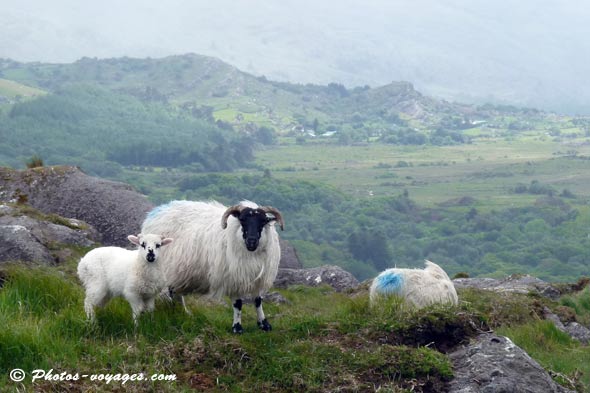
{"x":101,"y":131}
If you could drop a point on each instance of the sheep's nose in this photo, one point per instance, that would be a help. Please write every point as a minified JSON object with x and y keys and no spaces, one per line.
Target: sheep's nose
{"x":251,"y":244}
{"x":151,"y":256}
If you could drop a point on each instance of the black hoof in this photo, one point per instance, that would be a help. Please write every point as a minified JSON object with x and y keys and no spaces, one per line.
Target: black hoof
{"x":237,"y":329}
{"x":264,"y":325}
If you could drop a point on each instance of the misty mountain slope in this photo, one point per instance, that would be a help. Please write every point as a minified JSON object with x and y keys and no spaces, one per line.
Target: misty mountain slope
{"x":197,"y":82}
{"x":101,"y":130}
{"x":528,"y":53}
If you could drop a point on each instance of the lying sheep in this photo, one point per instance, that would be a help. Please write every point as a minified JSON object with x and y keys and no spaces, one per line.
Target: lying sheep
{"x":220,"y":251}
{"x":108,"y":272}
{"x":416,"y":286}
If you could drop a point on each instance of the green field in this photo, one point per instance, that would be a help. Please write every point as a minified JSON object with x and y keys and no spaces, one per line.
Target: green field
{"x":13,"y":89}
{"x":487,"y":169}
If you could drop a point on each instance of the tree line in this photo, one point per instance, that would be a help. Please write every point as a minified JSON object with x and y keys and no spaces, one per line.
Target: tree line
{"x":101,"y":131}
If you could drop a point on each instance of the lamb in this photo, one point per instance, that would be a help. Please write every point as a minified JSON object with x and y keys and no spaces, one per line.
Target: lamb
{"x":220,"y":251}
{"x":108,"y":272}
{"x":416,"y":286}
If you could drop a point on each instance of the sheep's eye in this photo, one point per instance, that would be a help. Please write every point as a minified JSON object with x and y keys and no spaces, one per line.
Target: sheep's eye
{"x":158,"y":245}
{"x":143,"y":245}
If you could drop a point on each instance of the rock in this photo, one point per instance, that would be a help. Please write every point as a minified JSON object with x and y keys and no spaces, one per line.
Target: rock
{"x":493,"y":364}
{"x":35,"y":239}
{"x":17,"y":243}
{"x":578,"y":332}
{"x":523,"y":284}
{"x":49,"y":233}
{"x":289,"y":258}
{"x":574,"y":329}
{"x":115,"y":209}
{"x":553,"y":318}
{"x":335,"y":276}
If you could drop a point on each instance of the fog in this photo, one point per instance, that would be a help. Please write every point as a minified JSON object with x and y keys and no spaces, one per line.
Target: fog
{"x":531,"y":52}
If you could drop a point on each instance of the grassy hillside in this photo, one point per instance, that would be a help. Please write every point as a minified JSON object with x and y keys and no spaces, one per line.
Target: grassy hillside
{"x":101,"y":130}
{"x":12,"y":90}
{"x":321,"y":340}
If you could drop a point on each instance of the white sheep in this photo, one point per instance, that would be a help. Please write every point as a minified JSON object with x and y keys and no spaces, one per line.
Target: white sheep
{"x":220,"y":251}
{"x":419,"y":287}
{"x":108,"y":272}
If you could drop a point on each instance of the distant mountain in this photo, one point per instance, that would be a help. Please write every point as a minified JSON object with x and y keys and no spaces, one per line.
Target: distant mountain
{"x":205,"y":84}
{"x":531,"y":53}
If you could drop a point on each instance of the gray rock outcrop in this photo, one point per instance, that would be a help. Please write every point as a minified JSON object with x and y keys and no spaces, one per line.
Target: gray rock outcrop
{"x":36,"y":239}
{"x":289,"y":258}
{"x":494,"y":364}
{"x":334,"y":276}
{"x":113,"y":208}
{"x":17,"y":243}
{"x":574,"y":329}
{"x":514,"y":284}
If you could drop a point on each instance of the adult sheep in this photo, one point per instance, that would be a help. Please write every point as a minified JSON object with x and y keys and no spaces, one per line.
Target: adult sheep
{"x":419,"y":287}
{"x":220,"y":251}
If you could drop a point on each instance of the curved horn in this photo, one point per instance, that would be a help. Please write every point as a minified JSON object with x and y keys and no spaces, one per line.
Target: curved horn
{"x":276,"y":213}
{"x":234,"y":210}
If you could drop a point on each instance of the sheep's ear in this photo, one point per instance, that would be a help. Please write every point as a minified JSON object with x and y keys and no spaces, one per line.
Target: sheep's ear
{"x":168,"y":240}
{"x":133,"y":239}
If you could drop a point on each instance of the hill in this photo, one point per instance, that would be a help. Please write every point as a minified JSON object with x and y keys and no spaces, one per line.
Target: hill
{"x":202,"y":83}
{"x":101,"y":130}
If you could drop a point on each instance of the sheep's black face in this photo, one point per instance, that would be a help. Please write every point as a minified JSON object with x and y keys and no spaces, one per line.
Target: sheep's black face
{"x":252,"y":222}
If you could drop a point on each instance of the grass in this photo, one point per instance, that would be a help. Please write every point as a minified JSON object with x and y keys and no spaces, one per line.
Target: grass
{"x":321,"y":340}
{"x":565,"y":358}
{"x":14,"y":89}
{"x":44,"y":328}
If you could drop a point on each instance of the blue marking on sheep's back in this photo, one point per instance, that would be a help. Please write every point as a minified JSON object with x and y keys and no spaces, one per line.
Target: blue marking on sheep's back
{"x":389,"y":282}
{"x":156,"y":211}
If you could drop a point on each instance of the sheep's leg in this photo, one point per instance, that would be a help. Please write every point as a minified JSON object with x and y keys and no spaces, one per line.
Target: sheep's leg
{"x":89,"y":308}
{"x":237,"y":326}
{"x":186,"y":310}
{"x":95,"y":297}
{"x":170,"y":295}
{"x":167,"y":294}
{"x":262,"y":321}
{"x":150,"y":304}
{"x":137,"y":305}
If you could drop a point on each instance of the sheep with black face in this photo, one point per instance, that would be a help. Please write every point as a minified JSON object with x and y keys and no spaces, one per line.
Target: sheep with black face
{"x":220,"y":251}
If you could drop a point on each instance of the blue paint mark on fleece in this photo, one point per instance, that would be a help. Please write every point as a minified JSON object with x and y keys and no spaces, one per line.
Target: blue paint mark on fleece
{"x":157,"y":210}
{"x":389,"y":283}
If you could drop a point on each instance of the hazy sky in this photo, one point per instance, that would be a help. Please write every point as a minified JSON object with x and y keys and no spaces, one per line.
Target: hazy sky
{"x":530,"y":52}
